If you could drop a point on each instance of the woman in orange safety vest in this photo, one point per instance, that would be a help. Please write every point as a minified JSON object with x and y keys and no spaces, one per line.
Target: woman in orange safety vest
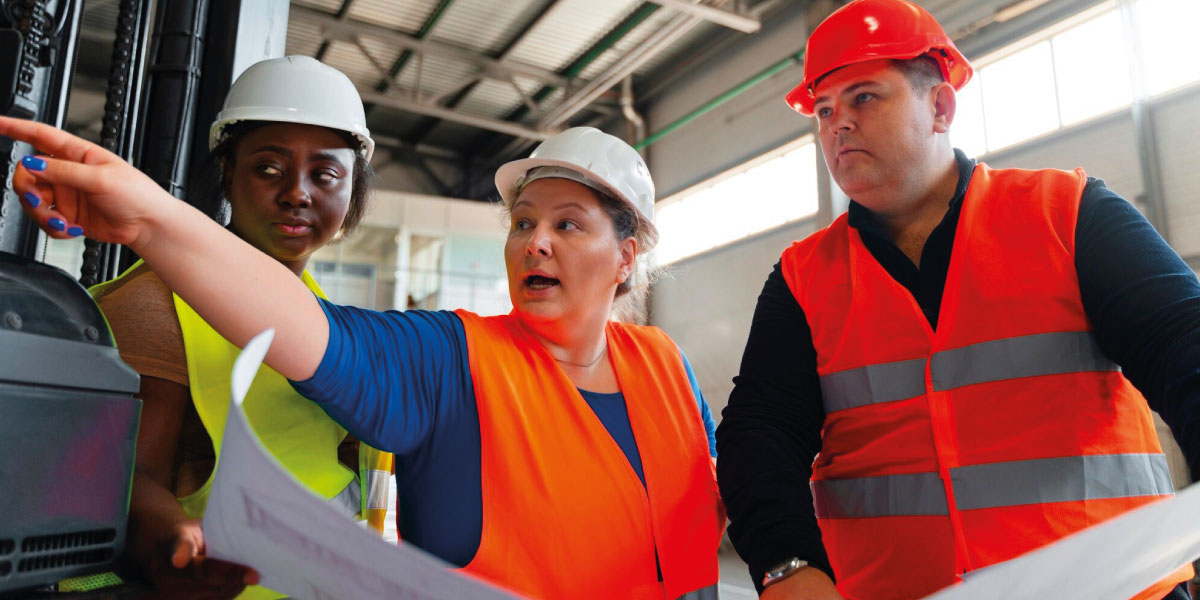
{"x":564,"y":509}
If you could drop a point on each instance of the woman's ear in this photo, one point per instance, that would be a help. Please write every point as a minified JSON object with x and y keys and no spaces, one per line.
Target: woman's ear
{"x":628,"y":250}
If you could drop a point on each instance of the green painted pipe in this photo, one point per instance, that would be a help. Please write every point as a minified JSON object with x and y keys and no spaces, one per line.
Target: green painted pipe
{"x":795,"y":59}
{"x":426,"y":28}
{"x":607,"y":42}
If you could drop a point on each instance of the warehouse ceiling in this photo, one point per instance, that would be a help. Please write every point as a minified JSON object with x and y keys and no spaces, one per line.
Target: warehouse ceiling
{"x":471,"y":80}
{"x":478,"y":82}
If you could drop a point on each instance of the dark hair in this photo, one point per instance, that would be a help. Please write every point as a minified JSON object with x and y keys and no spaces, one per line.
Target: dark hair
{"x":217,"y":171}
{"x":922,"y":72}
{"x":626,"y":224}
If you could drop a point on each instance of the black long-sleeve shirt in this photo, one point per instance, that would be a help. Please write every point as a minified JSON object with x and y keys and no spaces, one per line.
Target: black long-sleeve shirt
{"x":1141,"y":299}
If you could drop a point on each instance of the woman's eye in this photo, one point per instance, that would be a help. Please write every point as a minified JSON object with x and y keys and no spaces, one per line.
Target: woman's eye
{"x":325,"y":176}
{"x":269,"y":170}
{"x":568,"y":225}
{"x":521,"y":224}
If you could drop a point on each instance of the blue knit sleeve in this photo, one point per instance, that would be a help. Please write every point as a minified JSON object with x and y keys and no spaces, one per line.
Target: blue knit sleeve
{"x":1144,"y":304}
{"x":710,"y":426}
{"x":385,"y":375}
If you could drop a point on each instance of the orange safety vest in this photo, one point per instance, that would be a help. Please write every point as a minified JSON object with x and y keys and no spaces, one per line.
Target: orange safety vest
{"x":564,"y":513}
{"x":1002,"y":431}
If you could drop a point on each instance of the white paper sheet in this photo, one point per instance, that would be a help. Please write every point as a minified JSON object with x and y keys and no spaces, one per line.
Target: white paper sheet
{"x":1111,"y":561}
{"x":259,"y":515}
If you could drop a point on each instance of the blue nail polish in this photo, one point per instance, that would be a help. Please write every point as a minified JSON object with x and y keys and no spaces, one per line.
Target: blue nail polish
{"x":32,"y":199}
{"x":34,"y":163}
{"x":74,"y":231}
{"x":57,"y":224}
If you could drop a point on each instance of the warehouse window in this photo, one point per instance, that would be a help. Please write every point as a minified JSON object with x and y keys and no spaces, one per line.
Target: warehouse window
{"x":1019,"y":97}
{"x":1091,"y":62}
{"x":776,"y":188}
{"x":1073,"y":71}
{"x":1167,"y":34}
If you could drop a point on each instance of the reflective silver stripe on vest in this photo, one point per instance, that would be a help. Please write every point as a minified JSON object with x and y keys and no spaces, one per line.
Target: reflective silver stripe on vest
{"x":348,"y":501}
{"x":883,"y":496}
{"x":1014,"y":483}
{"x":873,"y":384}
{"x":1025,"y":356}
{"x":377,"y":489}
{"x":708,"y":593}
{"x":1062,"y":479}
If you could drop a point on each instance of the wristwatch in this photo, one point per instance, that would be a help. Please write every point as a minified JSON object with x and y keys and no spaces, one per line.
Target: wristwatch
{"x":783,"y":570}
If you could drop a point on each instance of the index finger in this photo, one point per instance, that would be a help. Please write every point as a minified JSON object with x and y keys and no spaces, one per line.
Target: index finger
{"x":52,"y":140}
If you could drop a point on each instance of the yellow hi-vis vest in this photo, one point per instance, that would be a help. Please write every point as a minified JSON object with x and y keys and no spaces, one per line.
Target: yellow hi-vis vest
{"x":294,"y":429}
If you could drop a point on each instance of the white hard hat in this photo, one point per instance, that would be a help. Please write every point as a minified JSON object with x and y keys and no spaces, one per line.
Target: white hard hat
{"x":603,"y":161}
{"x":295,"y":89}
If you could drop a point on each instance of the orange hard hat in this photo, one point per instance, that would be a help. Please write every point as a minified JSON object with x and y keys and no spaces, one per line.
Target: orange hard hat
{"x":866,"y":30}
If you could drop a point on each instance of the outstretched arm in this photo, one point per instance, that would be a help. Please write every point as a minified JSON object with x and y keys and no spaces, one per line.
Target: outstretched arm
{"x":234,"y":287}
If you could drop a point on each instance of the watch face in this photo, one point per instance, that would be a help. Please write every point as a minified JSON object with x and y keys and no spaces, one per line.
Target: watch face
{"x":784,"y":567}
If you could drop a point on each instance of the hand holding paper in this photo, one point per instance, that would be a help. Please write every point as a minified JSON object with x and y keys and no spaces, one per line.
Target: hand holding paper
{"x":259,"y":515}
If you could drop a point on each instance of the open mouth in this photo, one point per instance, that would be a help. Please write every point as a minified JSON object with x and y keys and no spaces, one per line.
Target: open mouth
{"x":538,"y":282}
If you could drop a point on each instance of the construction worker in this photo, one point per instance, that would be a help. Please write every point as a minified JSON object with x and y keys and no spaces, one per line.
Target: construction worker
{"x":292,"y":170}
{"x":940,"y":364}
{"x":551,"y":451}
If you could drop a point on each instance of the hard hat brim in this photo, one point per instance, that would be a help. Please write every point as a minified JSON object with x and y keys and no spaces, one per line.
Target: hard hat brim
{"x":508,"y":175}
{"x":228,"y":117}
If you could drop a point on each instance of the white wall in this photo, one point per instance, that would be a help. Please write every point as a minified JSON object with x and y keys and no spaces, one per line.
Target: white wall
{"x":706,"y":305}
{"x":1177,"y":126}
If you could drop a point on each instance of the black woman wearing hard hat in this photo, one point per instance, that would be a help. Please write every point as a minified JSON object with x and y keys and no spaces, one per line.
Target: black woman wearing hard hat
{"x":931,"y":383}
{"x":290,"y":168}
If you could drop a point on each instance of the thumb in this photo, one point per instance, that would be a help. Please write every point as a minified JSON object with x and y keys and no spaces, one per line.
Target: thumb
{"x":189,"y":543}
{"x":183,"y":553}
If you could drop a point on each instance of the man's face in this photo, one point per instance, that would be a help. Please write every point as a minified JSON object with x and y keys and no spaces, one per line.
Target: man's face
{"x":876,"y":132}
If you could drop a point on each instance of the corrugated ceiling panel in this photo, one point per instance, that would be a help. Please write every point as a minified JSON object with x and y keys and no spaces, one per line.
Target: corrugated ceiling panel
{"x":484,"y":26}
{"x":631,"y":40}
{"x":673,"y":54}
{"x":407,"y":15}
{"x":329,"y":6}
{"x":383,"y":53}
{"x":438,"y":75}
{"x":569,"y":31}
{"x":348,"y":59}
{"x":303,"y":38}
{"x":499,"y":98}
{"x":491,"y":98}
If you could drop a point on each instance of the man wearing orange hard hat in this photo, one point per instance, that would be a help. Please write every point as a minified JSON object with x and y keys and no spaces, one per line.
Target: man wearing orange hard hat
{"x":961,"y":368}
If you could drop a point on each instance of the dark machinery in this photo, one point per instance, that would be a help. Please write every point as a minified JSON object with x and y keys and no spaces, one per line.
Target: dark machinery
{"x":68,"y":422}
{"x":68,"y":418}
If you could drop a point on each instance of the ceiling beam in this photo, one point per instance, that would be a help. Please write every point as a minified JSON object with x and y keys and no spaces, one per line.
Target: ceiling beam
{"x":349,"y":29}
{"x":658,"y":41}
{"x":450,"y":114}
{"x":342,"y":14}
{"x":712,"y":14}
